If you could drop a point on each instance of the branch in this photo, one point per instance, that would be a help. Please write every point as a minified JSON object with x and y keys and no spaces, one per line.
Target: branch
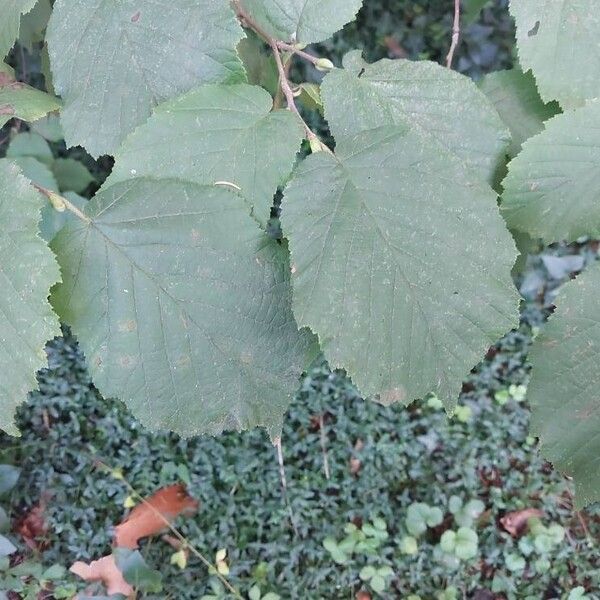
{"x":455,"y":34}
{"x":315,"y":143}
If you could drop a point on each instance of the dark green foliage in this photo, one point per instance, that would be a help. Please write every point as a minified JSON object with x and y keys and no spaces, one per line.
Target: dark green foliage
{"x":407,"y":455}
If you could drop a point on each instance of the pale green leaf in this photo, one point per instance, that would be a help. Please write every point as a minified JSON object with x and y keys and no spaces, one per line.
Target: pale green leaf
{"x":28,"y":271}
{"x":216,"y":133}
{"x":38,"y":172}
{"x":71,"y":175}
{"x":53,"y":221}
{"x":302,"y":21}
{"x":552,"y":188}
{"x":22,"y":101}
{"x":182,"y":306}
{"x":113,"y":60}
{"x":260,"y":65}
{"x":391,"y":256}
{"x":30,"y":144}
{"x":515,"y":96}
{"x":558,"y":41}
{"x":438,"y":103}
{"x":49,"y":128}
{"x":11,"y":12}
{"x":33,"y":24}
{"x":565,"y":380}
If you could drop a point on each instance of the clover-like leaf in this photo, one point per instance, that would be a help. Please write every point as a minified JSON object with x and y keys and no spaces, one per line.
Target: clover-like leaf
{"x":392,"y":260}
{"x":563,"y":391}
{"x":28,"y":271}
{"x":182,"y":306}
{"x":554,"y":38}
{"x":113,"y":60}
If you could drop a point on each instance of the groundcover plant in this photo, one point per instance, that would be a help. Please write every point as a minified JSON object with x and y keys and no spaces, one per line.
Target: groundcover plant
{"x":393,"y":257}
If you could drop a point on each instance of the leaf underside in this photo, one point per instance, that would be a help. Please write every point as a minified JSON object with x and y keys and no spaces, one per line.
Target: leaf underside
{"x":392,"y":259}
{"x":552,"y":189}
{"x":27,"y":271}
{"x":563,"y":391}
{"x":113,"y":60}
{"x":182,"y":306}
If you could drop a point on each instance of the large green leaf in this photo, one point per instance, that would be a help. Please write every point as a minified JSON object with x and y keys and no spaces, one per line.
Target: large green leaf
{"x":302,"y":21}
{"x":400,"y":260}
{"x":216,"y":133}
{"x":565,"y":383}
{"x":22,"y":101}
{"x":558,"y":41}
{"x":182,"y":306}
{"x":11,"y":12}
{"x":515,"y":96}
{"x":113,"y":60}
{"x":439,"y":104}
{"x":552,"y":187}
{"x":27,"y":272}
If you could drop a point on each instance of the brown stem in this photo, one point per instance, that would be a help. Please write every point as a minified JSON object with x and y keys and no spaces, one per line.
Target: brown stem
{"x":455,"y":34}
{"x":305,"y":55}
{"x":284,"y":82}
{"x":56,"y":199}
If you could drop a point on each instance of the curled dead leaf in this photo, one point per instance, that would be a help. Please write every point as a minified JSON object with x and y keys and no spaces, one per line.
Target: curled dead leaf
{"x":516,"y":522}
{"x":152,"y":516}
{"x":106,"y":571}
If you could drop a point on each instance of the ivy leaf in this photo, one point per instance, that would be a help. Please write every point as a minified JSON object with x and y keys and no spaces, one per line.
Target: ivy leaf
{"x":113,"y":60}
{"x":22,"y":101}
{"x":563,"y":391}
{"x":551,"y":190}
{"x":216,"y":133}
{"x":302,"y":21}
{"x":516,"y":98}
{"x":426,"y":97}
{"x":9,"y":25}
{"x":554,"y":38}
{"x":182,"y":306}
{"x":391,"y":256}
{"x":27,"y":273}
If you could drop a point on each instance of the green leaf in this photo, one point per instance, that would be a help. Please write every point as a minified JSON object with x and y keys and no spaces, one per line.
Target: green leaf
{"x":216,"y":133}
{"x":421,"y":95}
{"x":34,"y":23}
{"x":28,"y":272}
{"x":136,"y":572}
{"x":515,"y":96}
{"x":554,"y":38}
{"x":377,"y":584}
{"x":563,"y":392}
{"x":71,"y":175}
{"x":113,"y":60}
{"x":259,"y":63}
{"x":9,"y":24}
{"x":4,"y":521}
{"x":9,"y":476}
{"x":302,"y":21}
{"x":38,"y":172}
{"x":6,"y":547}
{"x":30,"y":144}
{"x":49,"y":128}
{"x":551,"y":190}
{"x":471,"y":10}
{"x":182,"y":306}
{"x":53,"y":221}
{"x":22,"y":101}
{"x":391,"y":261}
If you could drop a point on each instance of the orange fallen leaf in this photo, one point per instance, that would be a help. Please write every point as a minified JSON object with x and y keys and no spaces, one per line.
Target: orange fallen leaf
{"x":148,"y":518}
{"x":105,"y":570}
{"x":32,"y":526}
{"x":516,"y":522}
